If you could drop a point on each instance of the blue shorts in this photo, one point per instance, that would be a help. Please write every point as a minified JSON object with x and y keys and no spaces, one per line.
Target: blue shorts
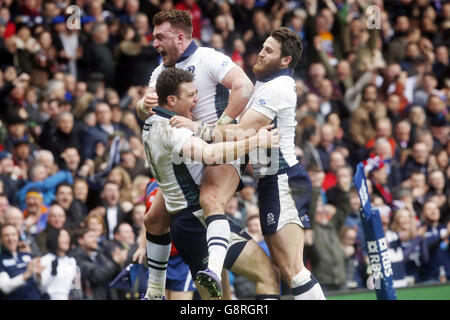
{"x":178,"y":276}
{"x":188,"y":232}
{"x":284,"y":198}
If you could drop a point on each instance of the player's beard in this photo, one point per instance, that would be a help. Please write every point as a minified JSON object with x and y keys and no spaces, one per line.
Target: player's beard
{"x":266,"y":69}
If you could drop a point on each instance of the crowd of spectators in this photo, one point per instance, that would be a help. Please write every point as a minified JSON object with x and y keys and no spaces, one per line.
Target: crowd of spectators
{"x":372,"y":85}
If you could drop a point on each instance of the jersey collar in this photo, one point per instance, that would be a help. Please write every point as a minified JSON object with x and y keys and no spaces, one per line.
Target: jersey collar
{"x":283,"y":72}
{"x":188,"y":52}
{"x":164,"y":112}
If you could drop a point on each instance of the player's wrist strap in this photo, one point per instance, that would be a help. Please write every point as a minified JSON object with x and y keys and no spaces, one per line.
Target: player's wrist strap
{"x":204,"y":131}
{"x":141,"y":107}
{"x":224,"y":119}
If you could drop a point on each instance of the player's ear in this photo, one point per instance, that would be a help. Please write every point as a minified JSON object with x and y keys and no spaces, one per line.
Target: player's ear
{"x":285,"y":61}
{"x":180,"y":37}
{"x":172,"y":100}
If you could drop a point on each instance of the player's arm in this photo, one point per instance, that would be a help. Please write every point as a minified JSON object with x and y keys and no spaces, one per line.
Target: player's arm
{"x":249,"y":125}
{"x":224,"y":152}
{"x":241,"y":90}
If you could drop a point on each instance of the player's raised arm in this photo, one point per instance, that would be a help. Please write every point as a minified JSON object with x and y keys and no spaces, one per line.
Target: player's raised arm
{"x":241,"y":90}
{"x":224,"y":152}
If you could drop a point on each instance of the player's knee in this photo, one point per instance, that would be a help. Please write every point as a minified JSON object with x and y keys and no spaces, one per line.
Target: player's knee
{"x":210,"y":202}
{"x":269,"y":277}
{"x":287,"y":272}
{"x":155,"y":225}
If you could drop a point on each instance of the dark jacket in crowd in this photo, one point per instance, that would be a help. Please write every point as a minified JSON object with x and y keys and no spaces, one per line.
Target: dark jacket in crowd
{"x":97,"y":271}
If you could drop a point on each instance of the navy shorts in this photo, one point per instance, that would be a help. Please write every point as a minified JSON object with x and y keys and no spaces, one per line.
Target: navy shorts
{"x":188,"y":232}
{"x":284,"y":198}
{"x":178,"y":276}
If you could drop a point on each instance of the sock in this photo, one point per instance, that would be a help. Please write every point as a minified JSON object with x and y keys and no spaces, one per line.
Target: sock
{"x":267,"y":297}
{"x":217,"y":237}
{"x":158,"y":251}
{"x":304,"y":286}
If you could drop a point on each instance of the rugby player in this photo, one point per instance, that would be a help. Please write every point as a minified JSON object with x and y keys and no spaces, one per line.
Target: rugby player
{"x":176,"y":161}
{"x":223,"y":91}
{"x":284,"y":187}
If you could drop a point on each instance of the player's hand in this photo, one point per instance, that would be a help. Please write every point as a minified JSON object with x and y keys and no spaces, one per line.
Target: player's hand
{"x":268,"y":138}
{"x":150,"y":102}
{"x":179,"y":122}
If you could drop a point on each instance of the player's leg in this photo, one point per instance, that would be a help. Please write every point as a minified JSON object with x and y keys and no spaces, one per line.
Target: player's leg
{"x":265,"y":276}
{"x":179,"y":295}
{"x":219,"y":184}
{"x":286,"y":250}
{"x":284,"y":201}
{"x":226,"y":288}
{"x":157,"y":221}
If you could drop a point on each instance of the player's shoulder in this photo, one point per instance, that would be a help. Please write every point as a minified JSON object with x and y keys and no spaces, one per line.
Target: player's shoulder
{"x":280,"y":86}
{"x":211,"y":56}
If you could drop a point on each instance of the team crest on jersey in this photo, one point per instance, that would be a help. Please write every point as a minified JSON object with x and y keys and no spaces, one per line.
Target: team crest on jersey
{"x":224,"y":63}
{"x":262,"y":102}
{"x":270,"y":218}
{"x":191,"y":69}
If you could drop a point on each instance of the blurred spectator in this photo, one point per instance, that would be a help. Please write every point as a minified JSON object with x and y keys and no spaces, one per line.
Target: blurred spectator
{"x":330,"y":266}
{"x":4,"y":205}
{"x":35,"y":212}
{"x":196,"y":15}
{"x":55,"y":221}
{"x":100,"y":132}
{"x":65,"y":135}
{"x":337,"y":160}
{"x":60,"y":271}
{"x":97,"y":270}
{"x":138,"y":191}
{"x":95,"y":222}
{"x":123,"y":180}
{"x":114,"y":214}
{"x":27,"y":242}
{"x":232,"y":211}
{"x":97,"y":57}
{"x":355,"y":265}
{"x":17,"y":270}
{"x":247,"y":196}
{"x":74,"y":209}
{"x":137,"y":219}
{"x":436,"y":236}
{"x":415,"y":251}
{"x":395,"y":249}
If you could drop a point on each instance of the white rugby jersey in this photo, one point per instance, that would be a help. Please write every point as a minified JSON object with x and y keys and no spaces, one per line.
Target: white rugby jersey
{"x":209,"y":67}
{"x":178,"y":179}
{"x":275,"y":97}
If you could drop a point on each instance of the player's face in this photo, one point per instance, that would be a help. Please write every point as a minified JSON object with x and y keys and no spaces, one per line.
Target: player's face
{"x":269,"y":59}
{"x":186,"y":99}
{"x":165,"y":42}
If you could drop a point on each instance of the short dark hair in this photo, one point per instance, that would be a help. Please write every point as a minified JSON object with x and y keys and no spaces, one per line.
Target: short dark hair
{"x":291,"y":44}
{"x":63,"y":184}
{"x":169,"y":82}
{"x":177,"y":18}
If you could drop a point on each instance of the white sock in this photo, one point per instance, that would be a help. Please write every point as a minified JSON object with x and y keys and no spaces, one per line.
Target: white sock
{"x":217,"y":237}
{"x":158,"y":252}
{"x":304,"y":286}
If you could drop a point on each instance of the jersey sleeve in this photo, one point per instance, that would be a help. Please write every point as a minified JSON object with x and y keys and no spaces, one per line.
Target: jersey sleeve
{"x":266,"y":102}
{"x":154,"y":76}
{"x":218,"y":65}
